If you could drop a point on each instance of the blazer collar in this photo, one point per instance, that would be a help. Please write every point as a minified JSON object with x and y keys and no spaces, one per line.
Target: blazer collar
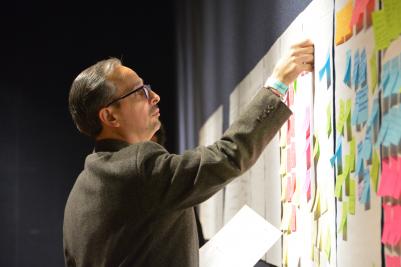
{"x":110,"y":145}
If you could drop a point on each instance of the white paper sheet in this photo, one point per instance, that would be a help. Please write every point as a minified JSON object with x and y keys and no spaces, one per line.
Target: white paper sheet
{"x":241,"y":242}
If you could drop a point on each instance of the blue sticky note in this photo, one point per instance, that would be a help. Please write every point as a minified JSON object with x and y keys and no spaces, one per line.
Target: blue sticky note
{"x":362,"y":68}
{"x":326,"y":69}
{"x":385,"y":76}
{"x":375,"y":113}
{"x":362,"y":104}
{"x":394,"y":77}
{"x":347,"y":76}
{"x":332,"y":160}
{"x":356,"y":70}
{"x":359,"y":159}
{"x":383,"y":129}
{"x":365,"y":196}
{"x":367,"y":144}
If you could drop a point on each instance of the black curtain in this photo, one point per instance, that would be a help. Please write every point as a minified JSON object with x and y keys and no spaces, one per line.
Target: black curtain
{"x":218,"y":43}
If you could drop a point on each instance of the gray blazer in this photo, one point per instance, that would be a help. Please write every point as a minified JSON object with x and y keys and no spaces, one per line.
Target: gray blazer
{"x":132,"y":204}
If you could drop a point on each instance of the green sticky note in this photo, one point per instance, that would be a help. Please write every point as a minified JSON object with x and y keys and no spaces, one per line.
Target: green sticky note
{"x":341,"y":118}
{"x":295,"y":86}
{"x":316,"y":148}
{"x":347,"y":119}
{"x":339,"y":183}
{"x":374,"y":172}
{"x":352,"y":154}
{"x":392,"y":10}
{"x":343,"y":217}
{"x":373,"y":71}
{"x":328,"y":120}
{"x":380,"y":30}
{"x":352,"y":197}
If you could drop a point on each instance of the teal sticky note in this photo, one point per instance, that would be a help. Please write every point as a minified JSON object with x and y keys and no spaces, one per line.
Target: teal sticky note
{"x":365,"y":196}
{"x":383,"y":129}
{"x":359,"y":159}
{"x":362,"y":68}
{"x":356,"y":70}
{"x":374,"y":115}
{"x":367,"y":144}
{"x":347,"y":76}
{"x":362,"y":104}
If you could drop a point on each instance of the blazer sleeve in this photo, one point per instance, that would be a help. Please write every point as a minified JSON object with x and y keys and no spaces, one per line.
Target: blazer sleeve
{"x":174,"y":182}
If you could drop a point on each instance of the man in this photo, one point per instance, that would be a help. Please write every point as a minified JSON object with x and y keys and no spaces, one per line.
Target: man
{"x":132,"y":203}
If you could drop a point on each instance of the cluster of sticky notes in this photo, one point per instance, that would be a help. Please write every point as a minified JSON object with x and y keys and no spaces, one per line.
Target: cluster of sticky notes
{"x":393,"y":261}
{"x":326,"y":69}
{"x":391,"y":226}
{"x":390,"y":131}
{"x":359,"y":69}
{"x":343,"y":23}
{"x":386,"y":23}
{"x":390,"y":182}
{"x":391,"y":76}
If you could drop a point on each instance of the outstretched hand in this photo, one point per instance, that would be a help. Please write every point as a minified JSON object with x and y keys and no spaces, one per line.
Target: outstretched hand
{"x":299,"y":59}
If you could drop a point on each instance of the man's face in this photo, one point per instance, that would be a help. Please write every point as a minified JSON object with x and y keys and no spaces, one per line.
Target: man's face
{"x":138,"y":116}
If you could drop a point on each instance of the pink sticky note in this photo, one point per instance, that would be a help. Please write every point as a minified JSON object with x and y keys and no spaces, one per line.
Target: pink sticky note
{"x":395,"y":232}
{"x":307,"y":188}
{"x":393,"y":261}
{"x":357,"y":12}
{"x":387,"y":223}
{"x":397,"y":178}
{"x":385,"y":180}
{"x":307,"y":122}
{"x":308,"y":155}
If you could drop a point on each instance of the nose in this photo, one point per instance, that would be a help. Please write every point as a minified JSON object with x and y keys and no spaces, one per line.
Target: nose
{"x":154,"y":98}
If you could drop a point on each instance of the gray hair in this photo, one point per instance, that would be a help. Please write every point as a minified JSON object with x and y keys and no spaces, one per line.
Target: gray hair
{"x":89,"y":92}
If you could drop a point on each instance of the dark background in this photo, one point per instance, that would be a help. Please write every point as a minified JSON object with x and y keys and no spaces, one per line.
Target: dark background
{"x":193,"y":52}
{"x":45,"y":45}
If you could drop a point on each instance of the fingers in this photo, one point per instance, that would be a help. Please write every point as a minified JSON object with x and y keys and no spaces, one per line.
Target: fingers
{"x":303,"y":50}
{"x":303,"y":43}
{"x":302,"y":59}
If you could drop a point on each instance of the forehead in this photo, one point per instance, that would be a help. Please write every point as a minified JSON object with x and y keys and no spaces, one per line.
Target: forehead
{"x":125,"y":78}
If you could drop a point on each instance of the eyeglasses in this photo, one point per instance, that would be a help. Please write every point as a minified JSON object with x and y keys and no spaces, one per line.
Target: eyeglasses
{"x":146,"y":89}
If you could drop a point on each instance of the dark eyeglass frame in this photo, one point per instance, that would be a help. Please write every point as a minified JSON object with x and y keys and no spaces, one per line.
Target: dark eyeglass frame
{"x":146,"y":89}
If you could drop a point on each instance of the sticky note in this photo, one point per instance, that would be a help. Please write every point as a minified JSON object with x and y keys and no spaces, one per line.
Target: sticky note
{"x":326,"y":69}
{"x":365,"y":196}
{"x":343,"y":20}
{"x":352,"y":146}
{"x":308,"y":155}
{"x":316,"y":148}
{"x":367,"y":144}
{"x":339,"y":182}
{"x":307,"y":186}
{"x":359,"y":159}
{"x":362,"y":68}
{"x":373,"y":71}
{"x":380,"y":29}
{"x":393,"y":261}
{"x":327,"y":244}
{"x":347,"y":124}
{"x":341,"y":118}
{"x":374,"y":172}
{"x":343,"y":222}
{"x":347,"y":76}
{"x":355,"y":75}
{"x":392,"y":10}
{"x":352,"y":196}
{"x":293,"y":220}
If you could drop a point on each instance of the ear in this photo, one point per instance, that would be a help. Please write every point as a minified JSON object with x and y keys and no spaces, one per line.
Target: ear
{"x":108,"y":118}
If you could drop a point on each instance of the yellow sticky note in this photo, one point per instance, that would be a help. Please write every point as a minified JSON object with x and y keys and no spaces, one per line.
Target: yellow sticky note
{"x":352,"y":197}
{"x":347,"y":119}
{"x":343,"y":217}
{"x":339,"y":183}
{"x":341,"y":118}
{"x":352,"y":154}
{"x":375,"y":169}
{"x":316,"y":148}
{"x":343,"y":21}
{"x":392,"y":9}
{"x":373,"y":71}
{"x":380,"y":29}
